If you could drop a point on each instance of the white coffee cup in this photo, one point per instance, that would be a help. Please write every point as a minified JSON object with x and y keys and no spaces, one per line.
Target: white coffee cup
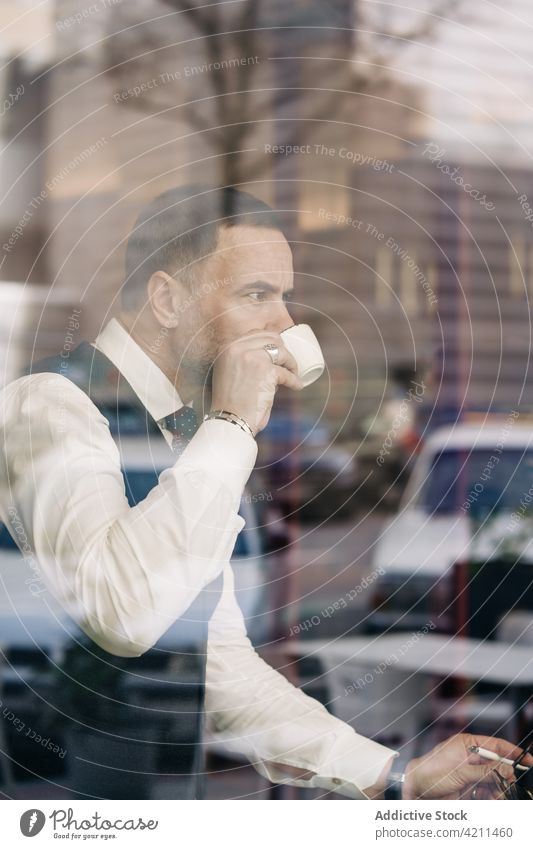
{"x":304,"y":346}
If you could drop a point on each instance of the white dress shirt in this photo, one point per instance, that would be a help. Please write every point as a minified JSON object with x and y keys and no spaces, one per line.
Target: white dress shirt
{"x":60,"y":470}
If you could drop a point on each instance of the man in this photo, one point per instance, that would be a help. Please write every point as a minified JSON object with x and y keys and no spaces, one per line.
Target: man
{"x":208,"y":278}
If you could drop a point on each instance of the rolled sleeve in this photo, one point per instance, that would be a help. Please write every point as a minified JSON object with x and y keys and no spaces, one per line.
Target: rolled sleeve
{"x":124,"y":573}
{"x":223,"y":450}
{"x":256,"y":711}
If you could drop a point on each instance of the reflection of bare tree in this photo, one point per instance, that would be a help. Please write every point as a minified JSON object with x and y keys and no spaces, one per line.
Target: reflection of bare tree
{"x":387,"y":44}
{"x":218,"y":104}
{"x":233,"y":112}
{"x":226,"y":106}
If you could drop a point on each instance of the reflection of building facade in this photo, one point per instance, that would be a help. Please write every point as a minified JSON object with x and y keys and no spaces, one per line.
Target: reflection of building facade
{"x":432,"y":274}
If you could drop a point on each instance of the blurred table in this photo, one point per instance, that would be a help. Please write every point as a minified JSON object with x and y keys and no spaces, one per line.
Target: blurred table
{"x":504,"y":664}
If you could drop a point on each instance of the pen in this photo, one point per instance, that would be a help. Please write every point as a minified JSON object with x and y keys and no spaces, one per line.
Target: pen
{"x":492,"y":756}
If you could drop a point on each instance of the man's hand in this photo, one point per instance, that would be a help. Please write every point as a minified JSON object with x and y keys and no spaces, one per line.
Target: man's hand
{"x":245,"y":379}
{"x":451,"y":771}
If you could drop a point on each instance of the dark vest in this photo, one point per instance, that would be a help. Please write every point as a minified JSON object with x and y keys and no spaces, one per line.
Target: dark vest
{"x":147,"y":713}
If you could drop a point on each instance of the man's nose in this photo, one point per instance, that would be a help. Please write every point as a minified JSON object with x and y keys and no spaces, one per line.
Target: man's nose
{"x":280,"y":318}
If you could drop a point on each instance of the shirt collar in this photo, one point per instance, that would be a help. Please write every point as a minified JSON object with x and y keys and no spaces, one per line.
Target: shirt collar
{"x":153,"y":388}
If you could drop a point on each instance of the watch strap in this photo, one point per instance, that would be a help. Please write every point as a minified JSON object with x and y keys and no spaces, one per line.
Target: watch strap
{"x":396,"y":778}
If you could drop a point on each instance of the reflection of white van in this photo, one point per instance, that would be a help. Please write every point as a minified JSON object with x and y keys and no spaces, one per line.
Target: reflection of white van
{"x":457,"y":505}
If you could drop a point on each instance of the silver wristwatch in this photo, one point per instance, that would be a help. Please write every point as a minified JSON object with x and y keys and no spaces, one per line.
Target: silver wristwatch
{"x":396,"y":778}
{"x":394,"y":786}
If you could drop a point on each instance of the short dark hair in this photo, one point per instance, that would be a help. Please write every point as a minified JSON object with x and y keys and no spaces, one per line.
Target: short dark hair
{"x":180,"y":227}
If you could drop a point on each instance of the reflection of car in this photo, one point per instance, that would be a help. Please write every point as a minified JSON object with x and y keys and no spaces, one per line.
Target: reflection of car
{"x":307,"y":470}
{"x":455,"y":499}
{"x":31,"y":316}
{"x":35,"y":631}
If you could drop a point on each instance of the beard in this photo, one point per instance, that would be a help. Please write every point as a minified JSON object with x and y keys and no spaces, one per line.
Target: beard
{"x":195,"y":360}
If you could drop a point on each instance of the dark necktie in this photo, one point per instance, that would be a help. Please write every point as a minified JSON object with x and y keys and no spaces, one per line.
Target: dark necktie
{"x":182,"y":424}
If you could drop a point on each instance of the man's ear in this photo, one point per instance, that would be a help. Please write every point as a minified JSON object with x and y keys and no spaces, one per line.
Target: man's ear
{"x":165,"y":294}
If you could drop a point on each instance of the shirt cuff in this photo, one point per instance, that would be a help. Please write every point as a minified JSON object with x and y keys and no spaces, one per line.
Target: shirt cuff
{"x":357,"y":767}
{"x":359,"y":760}
{"x":223,"y":450}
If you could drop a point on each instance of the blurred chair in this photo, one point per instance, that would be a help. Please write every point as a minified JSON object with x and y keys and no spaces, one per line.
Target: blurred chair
{"x":491,"y":601}
{"x":516,"y":627}
{"x":486,"y":593}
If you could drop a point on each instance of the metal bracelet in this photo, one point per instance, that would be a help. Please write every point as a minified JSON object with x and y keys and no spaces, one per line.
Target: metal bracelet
{"x":395,"y":780}
{"x":394,"y":786}
{"x":230,"y":417}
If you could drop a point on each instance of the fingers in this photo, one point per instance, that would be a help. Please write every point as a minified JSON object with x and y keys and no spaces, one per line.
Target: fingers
{"x":258,"y":340}
{"x":485,"y":791}
{"x":285,"y":359}
{"x":485,"y":773}
{"x":502,"y":748}
{"x":477,"y":792}
{"x":245,"y":379}
{"x":287,"y":378}
{"x":480,"y":792}
{"x":508,"y":750}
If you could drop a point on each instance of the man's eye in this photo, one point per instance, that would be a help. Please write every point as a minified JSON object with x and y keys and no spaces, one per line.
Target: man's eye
{"x":257,"y":296}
